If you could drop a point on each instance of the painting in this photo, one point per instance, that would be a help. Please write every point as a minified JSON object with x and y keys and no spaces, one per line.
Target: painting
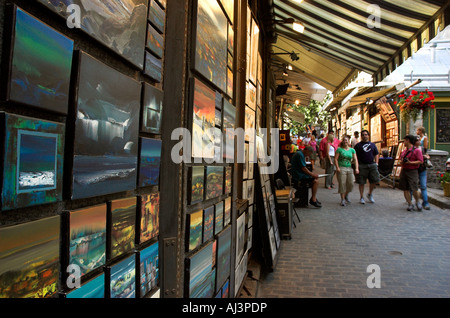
{"x":208,"y":223}
{"x":226,"y":289}
{"x":29,"y":259}
{"x":240,"y":237}
{"x":33,"y":161}
{"x":250,"y":124}
{"x":203,"y":123}
{"x":218,"y":217}
{"x":152,"y":109}
{"x":223,"y":256}
{"x":95,"y":288}
{"x":150,"y":162}
{"x":87,"y":238}
{"x":197,"y":184}
{"x":227,"y":212}
{"x":229,"y":120}
{"x":251,"y":95}
{"x":211,"y":44}
{"x":162,"y":3}
{"x":155,"y":41}
{"x":118,"y":24}
{"x":201,"y":274}
{"x":228,"y":179}
{"x":123,"y":226}
{"x":228,"y":5}
{"x":230,"y":81}
{"x":254,"y":51}
{"x":41,"y":64}
{"x":149,"y":217}
{"x":214,"y":181}
{"x":153,"y":67}
{"x":106,"y":131}
{"x":149,"y":268}
{"x":123,"y":279}
{"x":157,"y":16}
{"x":195,"y":230}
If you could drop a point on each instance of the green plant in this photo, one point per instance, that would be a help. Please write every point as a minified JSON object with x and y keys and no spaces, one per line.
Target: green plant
{"x":411,"y":106}
{"x":443,"y":176}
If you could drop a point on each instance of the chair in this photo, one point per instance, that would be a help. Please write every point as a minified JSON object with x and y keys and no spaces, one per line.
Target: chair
{"x":385,"y":168}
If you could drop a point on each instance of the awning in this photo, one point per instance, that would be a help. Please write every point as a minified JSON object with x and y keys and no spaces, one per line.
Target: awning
{"x":342,"y":37}
{"x":374,"y":96}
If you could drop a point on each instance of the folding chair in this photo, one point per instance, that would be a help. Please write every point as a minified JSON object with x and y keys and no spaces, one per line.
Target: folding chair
{"x":385,"y":169}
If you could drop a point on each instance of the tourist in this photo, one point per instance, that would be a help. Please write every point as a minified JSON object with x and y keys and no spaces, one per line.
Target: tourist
{"x":343,"y":159}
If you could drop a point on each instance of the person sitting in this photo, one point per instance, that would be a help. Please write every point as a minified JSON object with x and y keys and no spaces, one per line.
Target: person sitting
{"x":385,"y":155}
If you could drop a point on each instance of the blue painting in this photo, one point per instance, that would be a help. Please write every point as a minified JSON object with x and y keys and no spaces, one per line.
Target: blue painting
{"x":201,"y":284}
{"x":152,"y":109}
{"x":155,"y":41}
{"x":33,"y":161}
{"x":123,"y":279}
{"x":150,"y":162}
{"x":157,"y":16}
{"x":106,"y":131}
{"x":95,"y":288}
{"x":208,"y":223}
{"x":153,"y":67}
{"x":41,"y":65}
{"x":149,"y":265}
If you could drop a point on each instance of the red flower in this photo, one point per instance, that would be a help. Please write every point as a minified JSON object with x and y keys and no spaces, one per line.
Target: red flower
{"x":432,"y":106}
{"x":414,"y":93}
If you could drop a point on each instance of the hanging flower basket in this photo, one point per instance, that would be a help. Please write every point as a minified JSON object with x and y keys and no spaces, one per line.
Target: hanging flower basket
{"x":411,"y":106}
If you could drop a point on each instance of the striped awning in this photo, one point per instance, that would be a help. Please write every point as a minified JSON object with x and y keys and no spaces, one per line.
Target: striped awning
{"x":372,"y":36}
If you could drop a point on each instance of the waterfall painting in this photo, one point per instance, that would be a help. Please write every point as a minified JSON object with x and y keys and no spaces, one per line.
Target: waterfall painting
{"x":106,"y":131}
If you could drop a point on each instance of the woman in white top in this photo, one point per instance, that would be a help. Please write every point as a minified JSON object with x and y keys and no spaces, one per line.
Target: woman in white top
{"x":329,"y":161}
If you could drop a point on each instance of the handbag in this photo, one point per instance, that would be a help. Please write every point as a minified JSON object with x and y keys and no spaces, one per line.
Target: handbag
{"x":428,"y":163}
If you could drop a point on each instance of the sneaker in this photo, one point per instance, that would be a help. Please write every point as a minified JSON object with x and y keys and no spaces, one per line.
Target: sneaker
{"x":362,"y":201}
{"x":426,"y":206}
{"x":347,"y":200}
{"x":419,"y":206}
{"x":370,"y":197}
{"x":315,"y":203}
{"x":410,"y":207}
{"x":343,"y":203}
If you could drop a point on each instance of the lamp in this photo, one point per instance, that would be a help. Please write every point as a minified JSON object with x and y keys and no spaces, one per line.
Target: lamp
{"x":296,"y":25}
{"x":294,"y":57}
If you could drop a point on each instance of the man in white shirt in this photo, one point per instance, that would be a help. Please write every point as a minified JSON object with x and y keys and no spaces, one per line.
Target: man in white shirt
{"x":355,"y":139}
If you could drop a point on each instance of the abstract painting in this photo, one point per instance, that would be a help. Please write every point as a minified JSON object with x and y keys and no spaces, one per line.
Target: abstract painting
{"x":150,"y":162}
{"x":227,"y":212}
{"x":41,"y":64}
{"x":204,"y":113}
{"x":149,"y":268}
{"x":149,"y":217}
{"x":29,"y":259}
{"x":123,"y":226}
{"x":208,"y":223}
{"x":106,"y":131}
{"x":153,"y":67}
{"x":118,"y":24}
{"x":33,"y":161}
{"x":157,"y":16}
{"x":195,"y":229}
{"x":87,"y":238}
{"x":218,"y":218}
{"x":197,"y":183}
{"x":155,"y":41}
{"x":229,"y":120}
{"x":223,"y":256}
{"x":95,"y":288}
{"x":214,"y":181}
{"x":123,"y":279}
{"x":201,"y":284}
{"x":211,"y":44}
{"x":152,"y":109}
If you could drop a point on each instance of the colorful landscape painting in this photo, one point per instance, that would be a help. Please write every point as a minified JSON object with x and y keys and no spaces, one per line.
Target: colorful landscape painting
{"x":150,"y":162}
{"x":204,"y":114}
{"x":218,"y":218}
{"x":208,"y":223}
{"x":155,"y":41}
{"x":33,"y":161}
{"x":29,"y":259}
{"x":157,"y":16}
{"x":214,"y":181}
{"x":149,"y":268}
{"x":211,"y":44}
{"x":123,"y":279}
{"x":123,"y":225}
{"x":87,"y":238}
{"x":152,"y":109}
{"x":223,"y":256}
{"x":153,"y":67}
{"x":195,"y":229}
{"x":201,"y":284}
{"x":228,"y":179}
{"x":229,"y":120}
{"x":227,"y":212}
{"x":118,"y":24}
{"x":106,"y":131}
{"x":149,"y":217}
{"x":95,"y":288}
{"x":198,"y":183}
{"x":41,"y":64}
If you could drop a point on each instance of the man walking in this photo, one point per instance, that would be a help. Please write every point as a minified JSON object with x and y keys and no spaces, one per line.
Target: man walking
{"x":367,"y":154}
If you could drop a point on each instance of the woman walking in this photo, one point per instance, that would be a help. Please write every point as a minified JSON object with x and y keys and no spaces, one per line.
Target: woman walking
{"x":329,"y":161}
{"x":313,"y":156}
{"x":345,"y":155}
{"x":422,"y":142}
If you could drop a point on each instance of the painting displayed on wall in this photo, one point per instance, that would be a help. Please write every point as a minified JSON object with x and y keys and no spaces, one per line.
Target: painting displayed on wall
{"x":152,"y":108}
{"x":149,"y":205}
{"x":157,"y":16}
{"x":41,"y":64}
{"x":155,"y":41}
{"x":227,"y":212}
{"x":150,"y":162}
{"x":211,"y":44}
{"x":95,"y":288}
{"x":208,"y":223}
{"x":197,"y":183}
{"x":223,"y":256}
{"x":250,"y":124}
{"x":29,"y":259}
{"x":204,"y":116}
{"x":228,"y":5}
{"x":254,"y":49}
{"x":162,"y":3}
{"x":149,"y":268}
{"x":228,"y":179}
{"x":229,"y":120}
{"x":194,"y":230}
{"x":153,"y":67}
{"x":240,"y":237}
{"x":123,"y":226}
{"x":214,"y":181}
{"x":106,"y":131}
{"x":218,"y":217}
{"x":33,"y":161}
{"x":118,"y":24}
{"x":123,"y":279}
{"x":87,"y":238}
{"x":250,"y":96}
{"x":230,"y":39}
{"x":230,"y":81}
{"x":200,"y":273}
{"x":226,"y":289}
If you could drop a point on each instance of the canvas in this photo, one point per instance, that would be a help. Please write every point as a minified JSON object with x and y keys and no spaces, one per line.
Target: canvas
{"x":33,"y":161}
{"x":227,"y":212}
{"x":149,"y":217}
{"x":123,"y":226}
{"x":157,"y":16}
{"x":218,"y":217}
{"x":149,"y":268}
{"x":195,"y":230}
{"x":150,"y":162}
{"x":155,"y":41}
{"x":118,"y":24}
{"x":29,"y":259}
{"x":87,"y":238}
{"x":197,"y":183}
{"x":228,"y":179}
{"x":240,"y":237}
{"x":223,"y":256}
{"x":106,"y":131}
{"x":152,"y":109}
{"x":229,"y":120}
{"x":95,"y":288}
{"x":153,"y":67}
{"x":41,"y":64}
{"x":214,"y":181}
{"x":226,"y":289}
{"x":123,"y":279}
{"x":208,"y":223}
{"x":230,"y":81}
{"x":200,"y":273}
{"x":211,"y":43}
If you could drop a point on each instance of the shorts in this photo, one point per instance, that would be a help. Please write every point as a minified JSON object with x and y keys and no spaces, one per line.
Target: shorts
{"x":368,"y":171}
{"x":409,"y":180}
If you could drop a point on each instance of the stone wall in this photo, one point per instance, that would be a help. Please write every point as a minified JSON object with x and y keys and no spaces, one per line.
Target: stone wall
{"x":438,"y":159}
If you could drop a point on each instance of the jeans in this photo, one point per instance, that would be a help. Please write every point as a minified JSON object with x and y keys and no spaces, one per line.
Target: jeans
{"x":329,"y":169}
{"x":423,"y":185}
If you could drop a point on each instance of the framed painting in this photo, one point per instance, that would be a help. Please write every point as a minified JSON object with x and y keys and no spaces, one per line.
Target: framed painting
{"x":29,"y":259}
{"x":251,"y":95}
{"x":228,"y":5}
{"x":32,"y":161}
{"x":197,"y":184}
{"x":123,"y":279}
{"x":211,"y":43}
{"x":152,"y":107}
{"x":95,"y":288}
{"x":157,"y":16}
{"x":41,"y":64}
{"x":149,"y":269}
{"x":223,"y":256}
{"x":122,"y":214}
{"x":240,"y":237}
{"x":208,"y":223}
{"x":226,"y":289}
{"x":194,"y":230}
{"x":227,"y":212}
{"x":162,"y":3}
{"x":149,"y":217}
{"x":214,"y":181}
{"x":254,"y":49}
{"x":218,"y":217}
{"x":229,"y":121}
{"x":87,"y":238}
{"x":230,"y":82}
{"x":228,"y":179}
{"x":119,"y":25}
{"x":153,"y":67}
{"x":200,"y":273}
{"x":155,"y":41}
{"x":149,"y":162}
{"x":106,"y":130}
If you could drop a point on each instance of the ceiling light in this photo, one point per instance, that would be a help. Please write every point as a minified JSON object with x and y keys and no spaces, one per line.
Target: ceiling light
{"x":297,"y":26}
{"x":297,"y":102}
{"x":289,"y":67}
{"x":285,"y":74}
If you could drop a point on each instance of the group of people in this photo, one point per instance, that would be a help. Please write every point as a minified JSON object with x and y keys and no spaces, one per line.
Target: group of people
{"x":357,"y":161}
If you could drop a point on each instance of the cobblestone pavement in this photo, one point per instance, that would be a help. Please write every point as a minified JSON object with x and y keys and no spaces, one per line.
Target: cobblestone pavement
{"x":331,"y":249}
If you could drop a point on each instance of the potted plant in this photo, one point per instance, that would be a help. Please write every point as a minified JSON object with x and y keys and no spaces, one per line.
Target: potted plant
{"x":444,"y":178}
{"x":411,"y":106}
